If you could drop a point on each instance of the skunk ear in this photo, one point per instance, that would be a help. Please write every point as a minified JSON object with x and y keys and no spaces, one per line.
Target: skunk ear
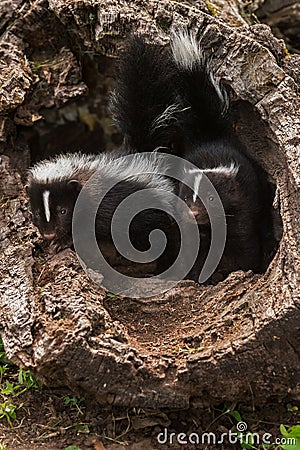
{"x":26,"y":187}
{"x":75,"y":184}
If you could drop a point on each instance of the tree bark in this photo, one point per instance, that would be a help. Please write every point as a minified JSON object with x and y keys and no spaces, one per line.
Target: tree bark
{"x":194,"y":345}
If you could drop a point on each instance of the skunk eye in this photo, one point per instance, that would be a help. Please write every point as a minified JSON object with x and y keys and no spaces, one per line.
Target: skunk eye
{"x":63,"y":211}
{"x":37,"y":214}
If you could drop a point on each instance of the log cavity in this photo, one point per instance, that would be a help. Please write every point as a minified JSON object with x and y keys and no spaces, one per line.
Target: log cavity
{"x":83,"y":124}
{"x":86,"y":125}
{"x":283,"y":18}
{"x":261,"y":149}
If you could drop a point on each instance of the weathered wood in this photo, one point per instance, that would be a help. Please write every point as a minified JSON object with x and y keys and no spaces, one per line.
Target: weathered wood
{"x":238,"y":340}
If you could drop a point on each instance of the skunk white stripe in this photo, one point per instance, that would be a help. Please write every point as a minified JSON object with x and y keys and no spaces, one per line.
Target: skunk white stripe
{"x":188,"y":55}
{"x":65,"y":167}
{"x":62,"y":167}
{"x":231,"y":170}
{"x":145,"y":169}
{"x":196,"y":186}
{"x":186,"y":50}
{"x":46,"y":204}
{"x":220,"y":90}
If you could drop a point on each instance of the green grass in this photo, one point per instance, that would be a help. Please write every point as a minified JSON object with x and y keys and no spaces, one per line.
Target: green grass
{"x":71,"y":447}
{"x":14,"y":382}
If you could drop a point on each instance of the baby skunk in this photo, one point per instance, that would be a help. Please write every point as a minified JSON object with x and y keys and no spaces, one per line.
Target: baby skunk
{"x":54,"y":185}
{"x":144,"y":103}
{"x":212,"y":147}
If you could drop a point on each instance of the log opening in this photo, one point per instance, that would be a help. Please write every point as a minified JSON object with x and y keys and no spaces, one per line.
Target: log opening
{"x":237,"y":340}
{"x":86,"y":125}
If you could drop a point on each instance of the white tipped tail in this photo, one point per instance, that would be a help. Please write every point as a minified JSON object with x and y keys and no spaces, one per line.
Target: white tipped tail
{"x":186,"y":50}
{"x":220,"y":90}
{"x":188,"y":56}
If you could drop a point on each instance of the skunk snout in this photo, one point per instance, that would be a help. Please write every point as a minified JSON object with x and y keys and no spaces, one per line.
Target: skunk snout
{"x":49,"y":236}
{"x":194,"y":212}
{"x":198,"y":214}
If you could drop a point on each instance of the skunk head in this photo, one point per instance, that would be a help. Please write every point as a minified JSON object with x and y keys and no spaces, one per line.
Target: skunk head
{"x":202,"y":198}
{"x":53,"y":187}
{"x":52,"y":207}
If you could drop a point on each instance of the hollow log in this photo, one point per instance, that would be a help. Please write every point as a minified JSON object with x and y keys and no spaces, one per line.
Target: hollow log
{"x":284,"y":19}
{"x":193,"y":345}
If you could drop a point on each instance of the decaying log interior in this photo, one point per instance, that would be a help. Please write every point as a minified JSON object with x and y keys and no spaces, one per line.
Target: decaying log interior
{"x":194,"y":345}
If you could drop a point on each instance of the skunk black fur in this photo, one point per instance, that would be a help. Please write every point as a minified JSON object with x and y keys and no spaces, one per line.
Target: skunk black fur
{"x":144,"y":101}
{"x":54,"y":185}
{"x":210,"y":144}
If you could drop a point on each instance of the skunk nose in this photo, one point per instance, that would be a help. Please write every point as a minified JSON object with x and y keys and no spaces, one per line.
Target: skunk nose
{"x":194,"y":213}
{"x":49,"y":236}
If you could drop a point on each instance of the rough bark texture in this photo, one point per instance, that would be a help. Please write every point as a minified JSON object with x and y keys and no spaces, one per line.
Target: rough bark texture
{"x":238,"y":340}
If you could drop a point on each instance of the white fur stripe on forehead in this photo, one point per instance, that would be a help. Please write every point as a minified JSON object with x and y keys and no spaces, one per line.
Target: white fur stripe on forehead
{"x":196,"y":185}
{"x":46,"y":195}
{"x":230,"y":171}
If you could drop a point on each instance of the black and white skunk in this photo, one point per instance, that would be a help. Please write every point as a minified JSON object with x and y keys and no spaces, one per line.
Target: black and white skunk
{"x":144,"y":101}
{"x":210,"y":144}
{"x":54,"y":186}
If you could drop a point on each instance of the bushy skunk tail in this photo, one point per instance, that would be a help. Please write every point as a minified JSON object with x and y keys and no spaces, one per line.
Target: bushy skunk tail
{"x":143,"y":103}
{"x":204,"y":100}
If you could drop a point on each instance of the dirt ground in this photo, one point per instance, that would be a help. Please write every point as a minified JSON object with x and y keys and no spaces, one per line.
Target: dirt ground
{"x":58,"y":420}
